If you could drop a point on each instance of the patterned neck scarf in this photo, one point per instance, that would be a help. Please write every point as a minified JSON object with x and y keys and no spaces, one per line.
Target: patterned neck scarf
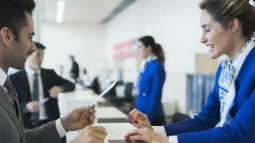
{"x":226,"y":83}
{"x":143,"y":66}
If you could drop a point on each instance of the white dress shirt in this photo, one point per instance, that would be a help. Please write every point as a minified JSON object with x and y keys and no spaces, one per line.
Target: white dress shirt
{"x":161,"y":130}
{"x":30,"y":75}
{"x":59,"y":126}
{"x":85,"y":79}
{"x":3,"y":77}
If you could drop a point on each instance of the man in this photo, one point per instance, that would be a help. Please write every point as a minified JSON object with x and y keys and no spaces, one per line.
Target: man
{"x":16,"y":31}
{"x":74,"y":73}
{"x":35,"y":84}
{"x":84,"y":79}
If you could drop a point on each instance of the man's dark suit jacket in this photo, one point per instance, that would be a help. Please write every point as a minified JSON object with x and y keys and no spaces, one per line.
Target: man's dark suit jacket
{"x":49,"y":79}
{"x":75,"y":70}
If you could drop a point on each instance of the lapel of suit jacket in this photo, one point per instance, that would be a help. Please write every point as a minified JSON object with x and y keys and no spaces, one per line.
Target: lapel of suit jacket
{"x":4,"y":100}
{"x":26,"y":86}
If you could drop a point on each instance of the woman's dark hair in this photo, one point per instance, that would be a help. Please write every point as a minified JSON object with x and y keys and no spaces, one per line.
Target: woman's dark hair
{"x":12,"y":14}
{"x":225,"y":11}
{"x":156,"y":48}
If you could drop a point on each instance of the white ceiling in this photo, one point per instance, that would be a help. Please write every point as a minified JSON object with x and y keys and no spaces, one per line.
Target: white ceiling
{"x":80,"y":11}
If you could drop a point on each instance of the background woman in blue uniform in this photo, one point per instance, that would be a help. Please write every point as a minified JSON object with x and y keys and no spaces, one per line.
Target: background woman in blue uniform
{"x":229,"y":114}
{"x":151,"y":80}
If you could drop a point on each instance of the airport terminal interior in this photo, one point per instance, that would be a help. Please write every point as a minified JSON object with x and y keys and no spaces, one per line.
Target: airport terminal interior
{"x":121,"y":55}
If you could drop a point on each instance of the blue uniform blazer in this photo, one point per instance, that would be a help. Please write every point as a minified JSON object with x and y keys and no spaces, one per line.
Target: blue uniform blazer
{"x":201,"y":129}
{"x":150,"y":90}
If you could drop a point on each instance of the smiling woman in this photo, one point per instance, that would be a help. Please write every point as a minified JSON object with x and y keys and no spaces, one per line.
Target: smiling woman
{"x":221,"y":20}
{"x":227,"y":27}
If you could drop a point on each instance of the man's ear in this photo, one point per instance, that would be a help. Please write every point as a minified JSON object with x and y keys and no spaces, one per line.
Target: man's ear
{"x":6,"y":35}
{"x":234,"y":25}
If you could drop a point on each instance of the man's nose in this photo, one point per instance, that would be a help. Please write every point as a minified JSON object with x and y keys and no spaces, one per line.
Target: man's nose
{"x":33,"y":47}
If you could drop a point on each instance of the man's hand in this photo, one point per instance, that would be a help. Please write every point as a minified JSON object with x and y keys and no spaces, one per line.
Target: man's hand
{"x":139,"y":119}
{"x":54,"y":91}
{"x":146,"y":134}
{"x":73,"y":120}
{"x":91,"y":134}
{"x":33,"y":106}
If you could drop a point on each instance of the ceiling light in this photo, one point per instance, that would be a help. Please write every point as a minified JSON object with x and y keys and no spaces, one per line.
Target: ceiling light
{"x":60,"y":8}
{"x":61,"y":3}
{"x":60,"y":13}
{"x":59,"y":21}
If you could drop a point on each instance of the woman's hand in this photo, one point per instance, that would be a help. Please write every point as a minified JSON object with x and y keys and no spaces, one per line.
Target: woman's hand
{"x":146,"y":134}
{"x":139,"y":119}
{"x":91,"y":134}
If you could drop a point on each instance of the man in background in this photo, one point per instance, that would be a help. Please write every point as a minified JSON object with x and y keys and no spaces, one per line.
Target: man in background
{"x":37,"y":89}
{"x":84,"y":79}
{"x":74,"y":73}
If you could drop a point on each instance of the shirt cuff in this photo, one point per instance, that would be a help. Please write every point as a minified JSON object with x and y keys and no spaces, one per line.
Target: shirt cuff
{"x":60,"y":129}
{"x":173,"y":139}
{"x":160,"y":130}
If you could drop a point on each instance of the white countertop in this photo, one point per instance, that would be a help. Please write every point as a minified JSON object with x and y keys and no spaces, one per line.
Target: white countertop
{"x":69,"y":100}
{"x":110,"y":113}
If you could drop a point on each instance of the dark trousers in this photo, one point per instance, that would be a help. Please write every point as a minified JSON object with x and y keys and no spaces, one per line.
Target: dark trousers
{"x":159,"y":121}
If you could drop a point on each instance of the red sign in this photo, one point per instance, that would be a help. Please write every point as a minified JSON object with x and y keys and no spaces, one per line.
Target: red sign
{"x":125,"y":50}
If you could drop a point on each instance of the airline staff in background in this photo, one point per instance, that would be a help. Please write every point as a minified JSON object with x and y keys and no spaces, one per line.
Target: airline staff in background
{"x":151,"y":80}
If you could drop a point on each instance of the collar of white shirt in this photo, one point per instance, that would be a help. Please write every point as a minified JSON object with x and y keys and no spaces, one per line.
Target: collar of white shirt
{"x":150,"y":58}
{"x":32,"y":72}
{"x":3,"y":77}
{"x":239,"y":62}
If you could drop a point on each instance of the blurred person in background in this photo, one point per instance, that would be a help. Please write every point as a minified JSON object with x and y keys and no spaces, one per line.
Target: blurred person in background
{"x":35,"y":84}
{"x":151,"y":80}
{"x":74,"y":72}
{"x":84,"y":78}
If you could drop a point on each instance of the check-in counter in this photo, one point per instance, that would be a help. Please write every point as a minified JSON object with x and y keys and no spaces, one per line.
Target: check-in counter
{"x":116,"y":132}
